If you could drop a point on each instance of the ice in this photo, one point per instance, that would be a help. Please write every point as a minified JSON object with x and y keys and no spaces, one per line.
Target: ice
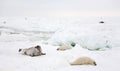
{"x":85,"y":32}
{"x":92,"y":35}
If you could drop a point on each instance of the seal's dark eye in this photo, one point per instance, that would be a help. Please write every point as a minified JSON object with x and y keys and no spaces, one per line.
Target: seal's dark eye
{"x":19,"y":50}
{"x":37,"y":46}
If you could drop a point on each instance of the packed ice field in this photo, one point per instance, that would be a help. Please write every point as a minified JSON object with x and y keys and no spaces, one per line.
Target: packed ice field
{"x":99,"y":41}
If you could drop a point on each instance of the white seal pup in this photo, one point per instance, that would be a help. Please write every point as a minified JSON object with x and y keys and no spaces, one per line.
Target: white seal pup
{"x":83,"y":61}
{"x":64,"y":47}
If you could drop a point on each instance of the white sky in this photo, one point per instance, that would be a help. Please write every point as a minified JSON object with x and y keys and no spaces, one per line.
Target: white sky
{"x":59,"y":7}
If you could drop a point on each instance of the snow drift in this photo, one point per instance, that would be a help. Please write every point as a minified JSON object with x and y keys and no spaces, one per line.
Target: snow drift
{"x":93,"y":35}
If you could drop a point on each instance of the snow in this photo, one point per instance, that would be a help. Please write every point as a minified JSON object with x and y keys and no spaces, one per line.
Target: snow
{"x":11,"y":60}
{"x":86,"y":32}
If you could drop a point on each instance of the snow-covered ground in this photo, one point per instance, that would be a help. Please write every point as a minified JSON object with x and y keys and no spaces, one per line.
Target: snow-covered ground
{"x":86,"y":32}
{"x":12,"y":60}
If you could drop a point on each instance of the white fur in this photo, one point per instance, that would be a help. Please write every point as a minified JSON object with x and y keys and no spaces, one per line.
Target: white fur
{"x":83,"y":61}
{"x":64,"y":47}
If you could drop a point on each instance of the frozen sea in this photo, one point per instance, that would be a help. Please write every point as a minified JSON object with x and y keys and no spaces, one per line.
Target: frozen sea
{"x":99,"y":41}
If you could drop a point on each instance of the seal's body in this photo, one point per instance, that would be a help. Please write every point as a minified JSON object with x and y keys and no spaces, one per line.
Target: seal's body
{"x":33,"y":51}
{"x":64,"y":47}
{"x":84,"y":61}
